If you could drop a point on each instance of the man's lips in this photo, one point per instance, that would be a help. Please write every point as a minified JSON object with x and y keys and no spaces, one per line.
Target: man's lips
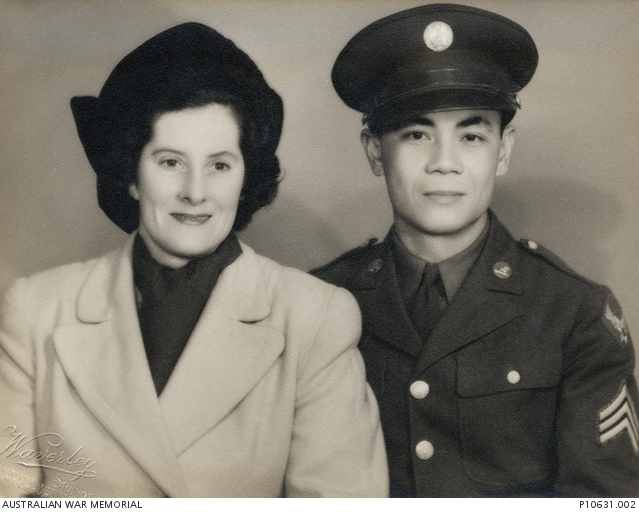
{"x":191,"y":220}
{"x":444,"y":196}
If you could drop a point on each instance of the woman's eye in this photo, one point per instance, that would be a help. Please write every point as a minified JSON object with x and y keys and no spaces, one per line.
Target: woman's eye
{"x":171,"y":163}
{"x":220,"y":166}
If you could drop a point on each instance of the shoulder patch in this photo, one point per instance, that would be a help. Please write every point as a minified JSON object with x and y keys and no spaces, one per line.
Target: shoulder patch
{"x":347,"y":255}
{"x":550,"y":257}
{"x":614,"y":321}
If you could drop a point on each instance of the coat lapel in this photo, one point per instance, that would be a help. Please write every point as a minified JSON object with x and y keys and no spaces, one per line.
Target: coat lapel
{"x":103,"y":356}
{"x":378,"y":295}
{"x":485,"y":301}
{"x":229,"y":352}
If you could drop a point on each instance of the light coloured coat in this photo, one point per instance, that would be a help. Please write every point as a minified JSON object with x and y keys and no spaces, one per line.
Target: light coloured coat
{"x":268,"y":399}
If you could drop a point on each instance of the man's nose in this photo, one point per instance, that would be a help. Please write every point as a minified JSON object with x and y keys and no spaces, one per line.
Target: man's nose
{"x":444,"y":158}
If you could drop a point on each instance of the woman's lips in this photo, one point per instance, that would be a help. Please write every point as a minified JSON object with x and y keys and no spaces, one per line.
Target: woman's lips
{"x":191,"y":220}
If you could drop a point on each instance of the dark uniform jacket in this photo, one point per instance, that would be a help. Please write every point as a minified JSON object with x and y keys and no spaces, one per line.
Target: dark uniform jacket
{"x":524,"y":388}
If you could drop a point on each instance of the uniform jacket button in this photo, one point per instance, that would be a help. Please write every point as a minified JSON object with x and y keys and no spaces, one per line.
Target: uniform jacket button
{"x":424,"y":450}
{"x":513,"y":377}
{"x":419,"y":389}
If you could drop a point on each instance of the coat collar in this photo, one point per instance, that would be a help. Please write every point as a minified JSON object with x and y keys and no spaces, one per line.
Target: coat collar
{"x":97,"y":298}
{"x":484,"y":302}
{"x":103,"y":355}
{"x":231,"y":349}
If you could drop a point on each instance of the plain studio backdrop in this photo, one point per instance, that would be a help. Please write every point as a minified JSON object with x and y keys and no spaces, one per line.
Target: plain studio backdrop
{"x":573,"y":184}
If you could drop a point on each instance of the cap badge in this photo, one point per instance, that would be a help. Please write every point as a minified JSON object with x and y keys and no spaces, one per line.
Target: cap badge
{"x":438,"y":36}
{"x":502,"y":270}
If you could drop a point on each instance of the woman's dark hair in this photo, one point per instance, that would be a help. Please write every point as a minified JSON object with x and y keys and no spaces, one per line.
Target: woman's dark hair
{"x":262,"y":170}
{"x":188,"y":66}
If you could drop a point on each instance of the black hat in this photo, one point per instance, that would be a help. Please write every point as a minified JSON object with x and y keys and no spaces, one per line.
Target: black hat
{"x":165,"y":73}
{"x":437,"y":57}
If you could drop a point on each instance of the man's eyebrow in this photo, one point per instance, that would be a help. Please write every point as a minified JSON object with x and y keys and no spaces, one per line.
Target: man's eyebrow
{"x":419,"y":119}
{"x":471,"y":121}
{"x":464,"y":123}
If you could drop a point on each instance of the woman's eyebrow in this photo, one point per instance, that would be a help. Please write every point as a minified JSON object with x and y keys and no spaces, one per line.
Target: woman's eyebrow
{"x":167,"y":150}
{"x":231,"y":154}
{"x":217,"y":154}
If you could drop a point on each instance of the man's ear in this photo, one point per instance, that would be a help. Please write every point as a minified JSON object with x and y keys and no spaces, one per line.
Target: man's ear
{"x":373,"y":149}
{"x":133,"y":191}
{"x":505,"y":149}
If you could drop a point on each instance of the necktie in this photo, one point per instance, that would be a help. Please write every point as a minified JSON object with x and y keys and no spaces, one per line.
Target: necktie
{"x":427,"y":307}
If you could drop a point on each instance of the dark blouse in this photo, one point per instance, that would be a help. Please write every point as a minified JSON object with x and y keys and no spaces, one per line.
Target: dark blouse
{"x":171,"y":300}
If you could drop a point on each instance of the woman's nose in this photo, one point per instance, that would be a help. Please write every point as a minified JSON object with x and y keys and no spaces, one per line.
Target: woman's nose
{"x":193,"y":188}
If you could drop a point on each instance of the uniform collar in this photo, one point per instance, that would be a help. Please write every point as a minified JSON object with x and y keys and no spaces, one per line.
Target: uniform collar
{"x":485,"y":300}
{"x":453,"y":270}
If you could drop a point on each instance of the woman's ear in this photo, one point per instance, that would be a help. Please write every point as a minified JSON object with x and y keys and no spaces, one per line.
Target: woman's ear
{"x":373,"y":149}
{"x":133,"y":191}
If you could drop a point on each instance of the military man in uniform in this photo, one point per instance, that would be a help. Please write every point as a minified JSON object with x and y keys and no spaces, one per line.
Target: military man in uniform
{"x":498,"y":370}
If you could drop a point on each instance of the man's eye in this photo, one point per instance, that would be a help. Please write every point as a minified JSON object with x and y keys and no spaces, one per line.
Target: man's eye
{"x":415,"y":135}
{"x":471,"y":137}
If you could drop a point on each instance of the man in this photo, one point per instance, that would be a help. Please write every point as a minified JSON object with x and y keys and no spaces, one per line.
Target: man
{"x":498,"y":370}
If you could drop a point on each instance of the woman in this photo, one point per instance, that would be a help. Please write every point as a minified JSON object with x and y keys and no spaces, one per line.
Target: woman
{"x":184,"y":364}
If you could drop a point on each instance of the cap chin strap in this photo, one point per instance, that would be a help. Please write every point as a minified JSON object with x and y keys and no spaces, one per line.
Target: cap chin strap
{"x":431,"y":100}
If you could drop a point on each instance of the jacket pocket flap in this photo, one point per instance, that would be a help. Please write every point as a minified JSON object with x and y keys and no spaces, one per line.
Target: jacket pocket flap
{"x":507,"y":360}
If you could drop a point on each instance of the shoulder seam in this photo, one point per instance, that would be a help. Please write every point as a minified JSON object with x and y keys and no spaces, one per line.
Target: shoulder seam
{"x":555,"y":261}
{"x":346,"y":255}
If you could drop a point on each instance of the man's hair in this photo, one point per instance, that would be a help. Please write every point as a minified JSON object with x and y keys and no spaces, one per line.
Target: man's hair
{"x":386,"y":121}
